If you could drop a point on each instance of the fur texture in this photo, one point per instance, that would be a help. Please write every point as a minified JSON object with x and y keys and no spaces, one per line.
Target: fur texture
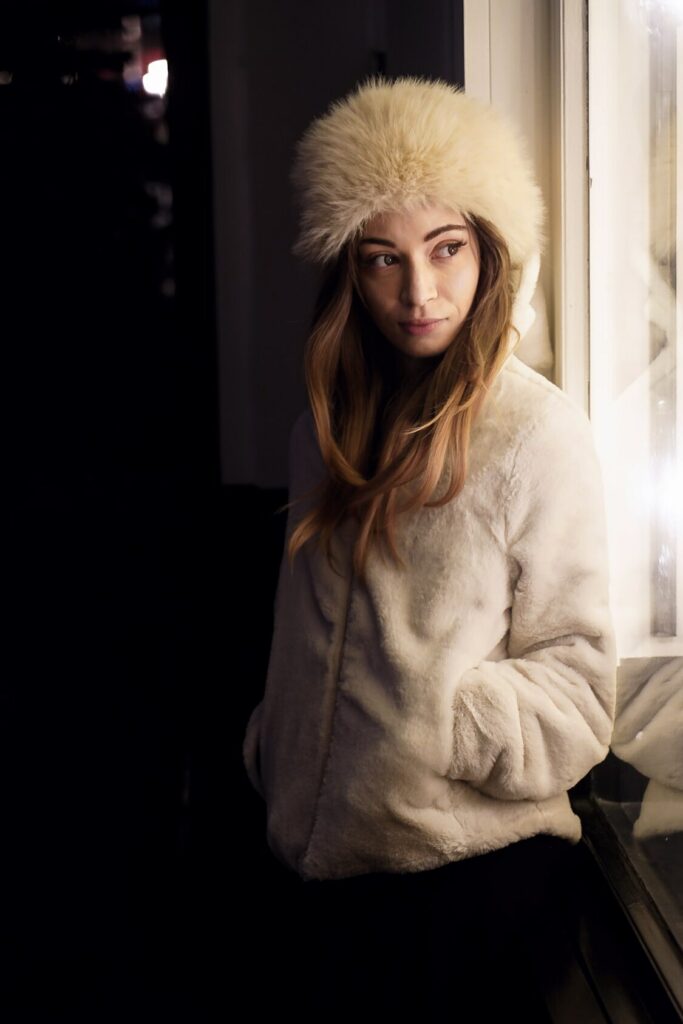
{"x":392,"y":145}
{"x":445,"y":711}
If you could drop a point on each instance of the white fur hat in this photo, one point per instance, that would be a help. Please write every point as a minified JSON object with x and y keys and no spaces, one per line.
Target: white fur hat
{"x":395,"y":145}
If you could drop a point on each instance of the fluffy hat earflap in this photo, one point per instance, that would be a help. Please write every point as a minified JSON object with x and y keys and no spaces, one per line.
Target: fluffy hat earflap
{"x":523,"y":312}
{"x":395,"y":145}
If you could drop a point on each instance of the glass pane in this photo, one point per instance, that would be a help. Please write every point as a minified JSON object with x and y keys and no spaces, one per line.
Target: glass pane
{"x":636,"y":345}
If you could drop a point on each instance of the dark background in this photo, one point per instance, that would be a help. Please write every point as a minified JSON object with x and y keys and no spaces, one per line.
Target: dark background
{"x":141,"y":309}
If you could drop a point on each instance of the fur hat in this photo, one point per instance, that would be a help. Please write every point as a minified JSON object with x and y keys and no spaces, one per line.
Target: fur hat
{"x":395,"y":145}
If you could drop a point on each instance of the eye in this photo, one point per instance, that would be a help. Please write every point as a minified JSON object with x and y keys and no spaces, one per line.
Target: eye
{"x":371,"y":260}
{"x":452,"y":248}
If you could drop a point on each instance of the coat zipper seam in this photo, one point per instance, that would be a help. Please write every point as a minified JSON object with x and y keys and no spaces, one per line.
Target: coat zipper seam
{"x":330,"y":729}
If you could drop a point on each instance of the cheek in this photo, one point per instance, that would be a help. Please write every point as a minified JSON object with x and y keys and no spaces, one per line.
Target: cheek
{"x":377,"y":302}
{"x":467,"y":285}
{"x":474,"y":281}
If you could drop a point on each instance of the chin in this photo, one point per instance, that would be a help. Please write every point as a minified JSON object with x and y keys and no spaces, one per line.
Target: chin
{"x":424,"y":352}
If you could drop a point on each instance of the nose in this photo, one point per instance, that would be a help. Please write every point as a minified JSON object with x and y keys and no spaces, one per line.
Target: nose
{"x":418,"y":284}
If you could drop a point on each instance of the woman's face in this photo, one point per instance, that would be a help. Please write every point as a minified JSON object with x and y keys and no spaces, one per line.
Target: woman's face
{"x":419,"y":266}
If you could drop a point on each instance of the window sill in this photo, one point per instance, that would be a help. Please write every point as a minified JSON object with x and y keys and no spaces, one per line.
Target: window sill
{"x":646,"y":945}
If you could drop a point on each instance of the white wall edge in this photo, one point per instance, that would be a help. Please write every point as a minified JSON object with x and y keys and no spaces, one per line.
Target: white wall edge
{"x":477,"y":41}
{"x":570,"y":235}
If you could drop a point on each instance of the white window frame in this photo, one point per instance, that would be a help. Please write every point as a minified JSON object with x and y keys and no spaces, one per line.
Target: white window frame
{"x":497,"y":62}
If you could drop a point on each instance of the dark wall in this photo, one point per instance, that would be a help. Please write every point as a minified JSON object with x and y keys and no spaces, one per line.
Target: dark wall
{"x":107,"y":316}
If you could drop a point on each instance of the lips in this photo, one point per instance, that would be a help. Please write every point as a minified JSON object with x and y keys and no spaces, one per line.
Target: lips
{"x":420,"y":323}
{"x":421,"y":326}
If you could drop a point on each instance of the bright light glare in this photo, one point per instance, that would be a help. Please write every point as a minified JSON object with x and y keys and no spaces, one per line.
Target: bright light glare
{"x":673,"y":7}
{"x":156,"y":79}
{"x":662,"y":493}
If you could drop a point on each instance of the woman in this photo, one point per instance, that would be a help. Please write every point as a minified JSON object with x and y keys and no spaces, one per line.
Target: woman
{"x":443,"y":666}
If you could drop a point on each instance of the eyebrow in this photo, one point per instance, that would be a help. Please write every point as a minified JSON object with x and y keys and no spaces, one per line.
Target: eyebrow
{"x":427,"y":237}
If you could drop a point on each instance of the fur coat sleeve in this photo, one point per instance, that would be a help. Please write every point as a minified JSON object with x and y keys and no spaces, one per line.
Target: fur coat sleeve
{"x":648,"y":734}
{"x":530,"y":726}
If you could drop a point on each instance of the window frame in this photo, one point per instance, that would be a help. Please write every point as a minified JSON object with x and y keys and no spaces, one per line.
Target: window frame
{"x":485,"y":24}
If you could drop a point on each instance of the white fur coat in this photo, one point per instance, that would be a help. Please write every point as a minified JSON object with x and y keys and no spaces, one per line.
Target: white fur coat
{"x":444,"y":711}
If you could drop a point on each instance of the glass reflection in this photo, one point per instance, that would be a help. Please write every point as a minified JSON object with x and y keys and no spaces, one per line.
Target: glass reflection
{"x":636,"y":337}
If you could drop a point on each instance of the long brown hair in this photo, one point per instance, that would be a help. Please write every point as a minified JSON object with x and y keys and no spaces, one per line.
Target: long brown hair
{"x":377,"y":432}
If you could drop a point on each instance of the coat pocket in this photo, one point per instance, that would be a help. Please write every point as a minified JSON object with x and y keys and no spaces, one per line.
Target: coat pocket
{"x":251,"y":749}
